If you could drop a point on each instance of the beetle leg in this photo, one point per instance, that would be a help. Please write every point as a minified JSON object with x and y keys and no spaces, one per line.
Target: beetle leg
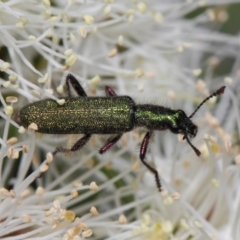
{"x":143,"y":150}
{"x":110,"y":92}
{"x":77,"y":146}
{"x":110,"y":143}
{"x":76,"y":85}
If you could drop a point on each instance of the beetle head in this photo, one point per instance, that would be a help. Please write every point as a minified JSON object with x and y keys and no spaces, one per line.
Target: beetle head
{"x":183,"y":125}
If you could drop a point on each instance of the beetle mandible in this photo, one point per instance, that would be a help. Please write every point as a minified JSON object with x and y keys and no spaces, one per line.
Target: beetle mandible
{"x":107,"y":115}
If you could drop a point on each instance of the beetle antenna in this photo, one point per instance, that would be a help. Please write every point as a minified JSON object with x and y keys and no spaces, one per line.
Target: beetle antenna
{"x":218,"y":92}
{"x":198,"y":153}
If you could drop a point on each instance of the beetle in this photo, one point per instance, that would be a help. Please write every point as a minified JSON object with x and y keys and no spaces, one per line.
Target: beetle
{"x":107,"y":115}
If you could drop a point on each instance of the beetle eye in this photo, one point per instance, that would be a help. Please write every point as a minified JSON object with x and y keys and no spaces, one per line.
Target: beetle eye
{"x":195,"y":131}
{"x":175,"y":129}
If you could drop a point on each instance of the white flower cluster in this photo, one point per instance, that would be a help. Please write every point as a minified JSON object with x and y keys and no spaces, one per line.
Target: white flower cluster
{"x":174,"y":51}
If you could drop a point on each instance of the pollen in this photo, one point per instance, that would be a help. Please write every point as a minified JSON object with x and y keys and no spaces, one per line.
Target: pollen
{"x":11,"y":152}
{"x":171,"y":95}
{"x":68,"y":52}
{"x":12,"y":78}
{"x":197,"y":224}
{"x":187,"y":44}
{"x":26,"y":193}
{"x":4,"y":192}
{"x":184,"y":224}
{"x":215,"y":148}
{"x":72,"y":37}
{"x":49,"y":90}
{"x":237,"y":159}
{"x":15,"y":154}
{"x":65,"y":68}
{"x":107,"y":10}
{"x":46,"y":3}
{"x":93,"y":186}
{"x":228,"y":81}
{"x":94,"y":211}
{"x":87,"y":233}
{"x":19,"y":25}
{"x":24,"y":20}
{"x":213,"y":62}
{"x":95,"y":81}
{"x":168,"y":201}
{"x":11,"y":99}
{"x":70,"y":216}
{"x":74,"y":193}
{"x":135,"y":166}
{"x":61,"y":102}
{"x":26,"y":218}
{"x":44,"y":168}
{"x":179,"y":49}
{"x":142,"y":7}
{"x":176,"y":196}
{"x":49,"y":212}
{"x":11,"y":141}
{"x":215,"y":182}
{"x":77,"y":183}
{"x":49,"y":157}
{"x":73,"y":232}
{"x":35,"y":160}
{"x":140,"y":88}
{"x":130,"y":11}
{"x":33,"y":127}
{"x":200,"y":85}
{"x":39,"y":191}
{"x":31,"y":38}
{"x":139,"y":72}
{"x":44,"y":79}
{"x":35,"y":93}
{"x":6,"y":84}
{"x":8,"y":110}
{"x":228,"y":145}
{"x":82,"y":32}
{"x":120,"y":40}
{"x":158,"y":17}
{"x":83,"y":226}
{"x":122,"y":220}
{"x":12,"y":193}
{"x":197,"y":72}
{"x":71,"y":60}
{"x":112,"y":53}
{"x":89,"y":20}
{"x":60,"y":89}
{"x":130,"y":18}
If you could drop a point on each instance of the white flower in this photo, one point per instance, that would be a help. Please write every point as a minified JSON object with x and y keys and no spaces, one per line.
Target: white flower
{"x":171,"y":52}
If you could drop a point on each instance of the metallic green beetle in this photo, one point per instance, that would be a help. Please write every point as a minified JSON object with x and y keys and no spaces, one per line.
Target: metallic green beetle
{"x":107,"y":115}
